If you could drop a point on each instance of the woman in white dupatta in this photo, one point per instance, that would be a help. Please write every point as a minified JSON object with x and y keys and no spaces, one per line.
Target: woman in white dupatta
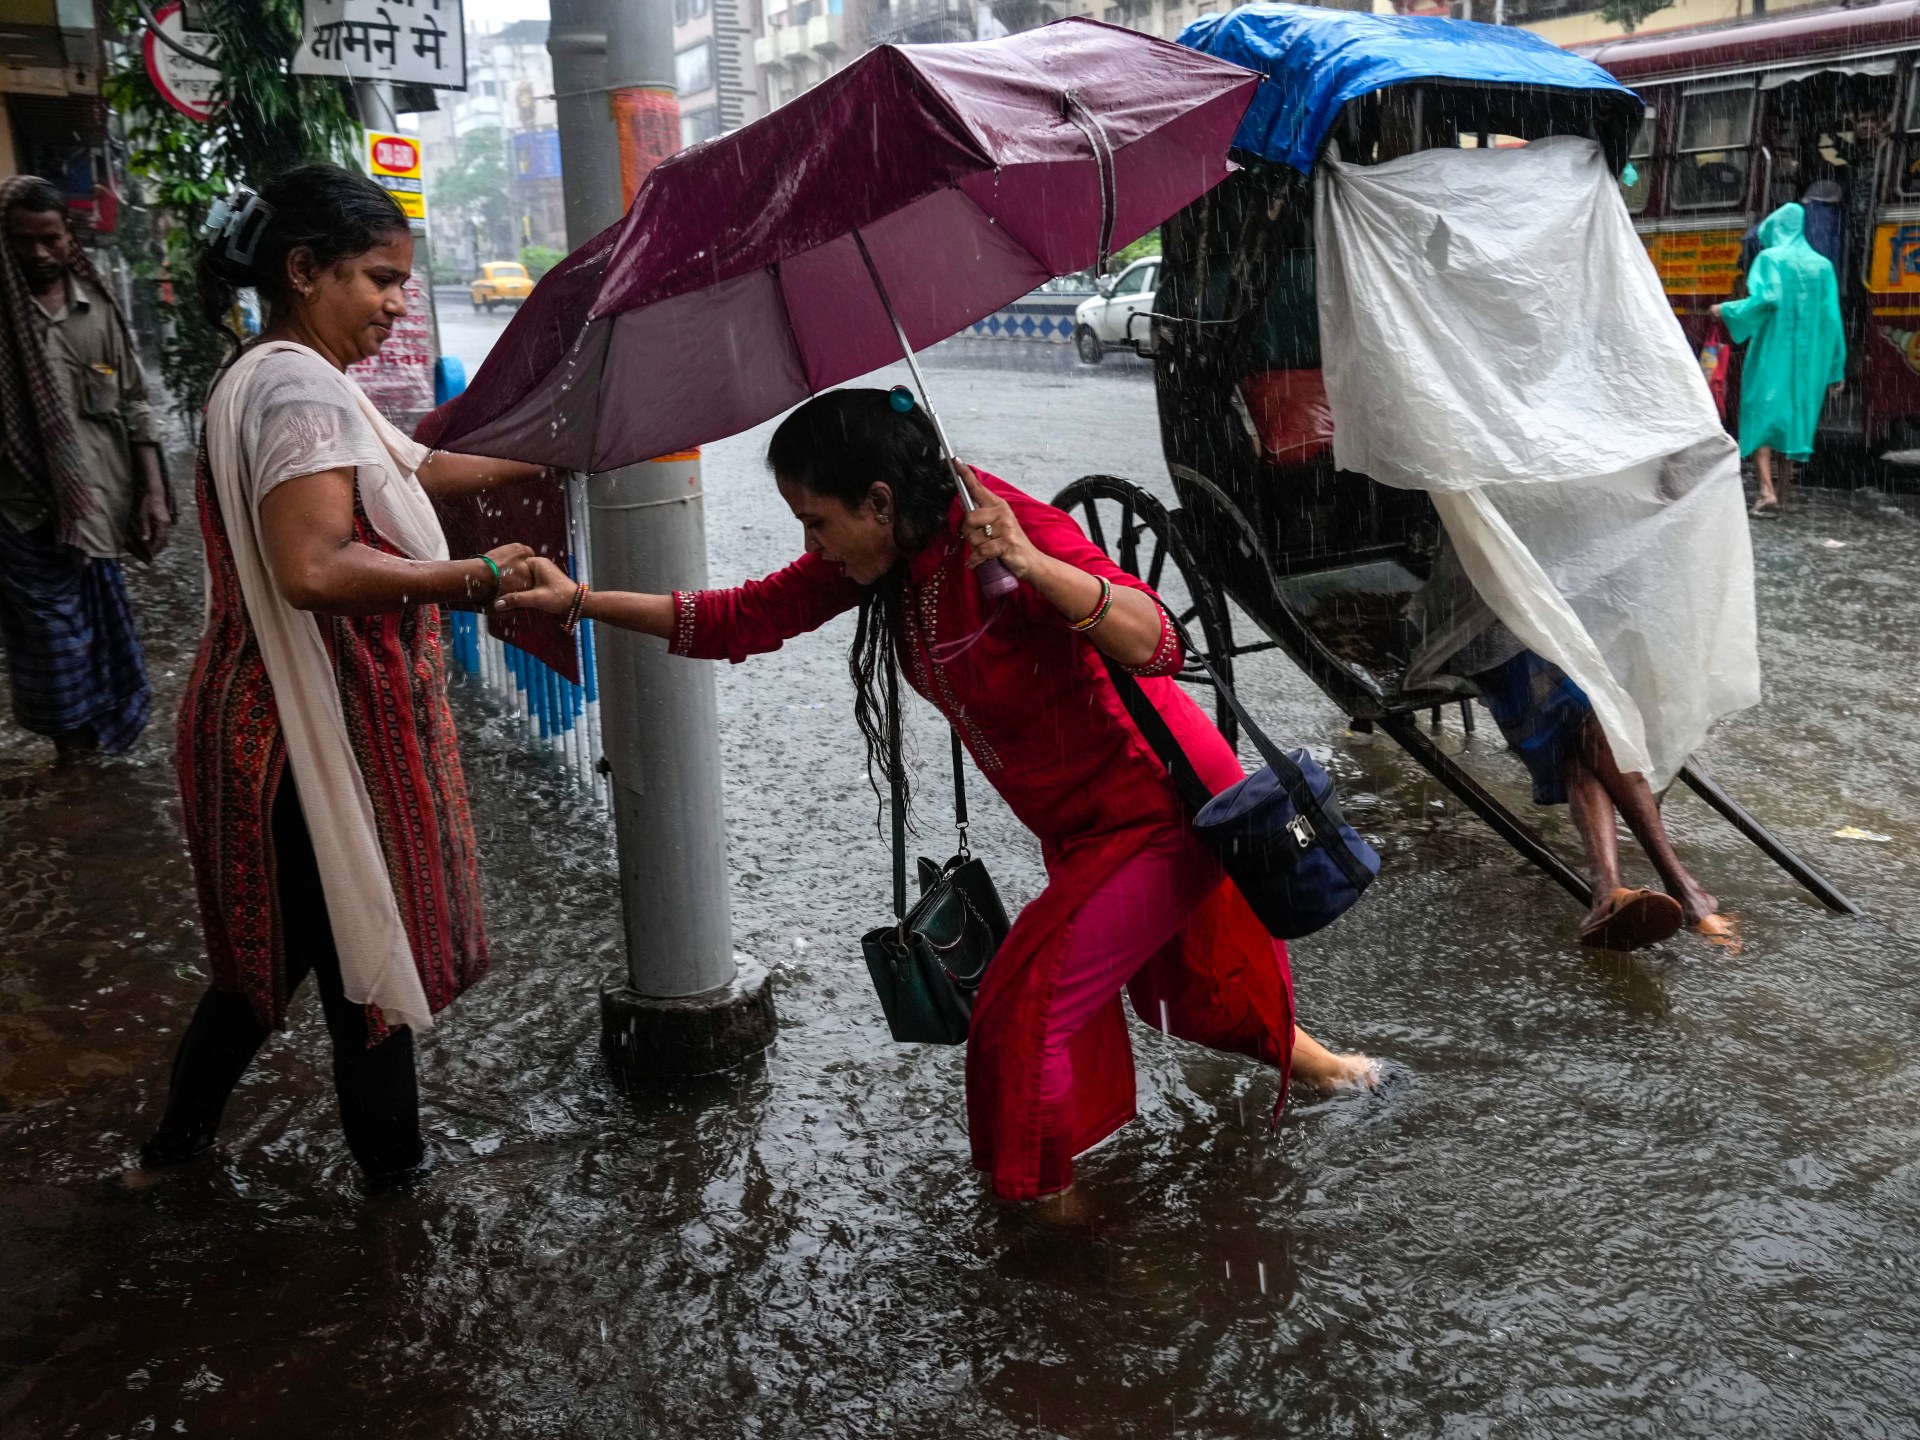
{"x":325,"y":809}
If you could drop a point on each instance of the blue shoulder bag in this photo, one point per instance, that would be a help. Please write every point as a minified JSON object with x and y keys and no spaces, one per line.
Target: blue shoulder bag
{"x":1278,"y":833}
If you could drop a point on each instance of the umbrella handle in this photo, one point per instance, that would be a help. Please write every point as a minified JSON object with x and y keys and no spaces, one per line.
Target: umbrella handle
{"x":995,"y":579}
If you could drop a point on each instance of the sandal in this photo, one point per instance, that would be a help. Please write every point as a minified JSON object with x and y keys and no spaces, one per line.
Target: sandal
{"x":1633,"y":920}
{"x":1765,"y":510}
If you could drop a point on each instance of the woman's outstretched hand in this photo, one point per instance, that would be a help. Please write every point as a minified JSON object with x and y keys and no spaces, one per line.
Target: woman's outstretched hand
{"x":550,"y":589}
{"x":991,"y":530}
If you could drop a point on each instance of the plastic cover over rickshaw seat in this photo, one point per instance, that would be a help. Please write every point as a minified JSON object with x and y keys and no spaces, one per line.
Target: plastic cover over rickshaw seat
{"x":1495,"y":335}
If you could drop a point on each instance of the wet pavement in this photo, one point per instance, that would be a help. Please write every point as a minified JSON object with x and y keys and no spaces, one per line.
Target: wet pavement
{"x":1668,"y":1195}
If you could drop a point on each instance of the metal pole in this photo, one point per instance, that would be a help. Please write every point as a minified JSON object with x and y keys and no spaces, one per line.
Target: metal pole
{"x":685,"y":1006}
{"x":1775,"y":849}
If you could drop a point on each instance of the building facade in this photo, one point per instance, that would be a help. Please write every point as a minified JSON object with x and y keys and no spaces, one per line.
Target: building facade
{"x":509,"y":94}
{"x":52,"y":119}
{"x":714,"y":70}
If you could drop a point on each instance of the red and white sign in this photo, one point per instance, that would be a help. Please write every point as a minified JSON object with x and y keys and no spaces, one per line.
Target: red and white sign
{"x":395,"y":155}
{"x":187,"y":85}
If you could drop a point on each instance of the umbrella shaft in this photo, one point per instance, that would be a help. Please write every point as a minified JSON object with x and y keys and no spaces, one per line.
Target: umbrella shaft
{"x":919,"y":381}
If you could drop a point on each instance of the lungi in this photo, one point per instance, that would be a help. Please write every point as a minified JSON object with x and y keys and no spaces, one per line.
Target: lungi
{"x":73,"y":656}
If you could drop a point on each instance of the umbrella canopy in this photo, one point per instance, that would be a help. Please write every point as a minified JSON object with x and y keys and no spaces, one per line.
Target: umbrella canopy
{"x":735,"y":286}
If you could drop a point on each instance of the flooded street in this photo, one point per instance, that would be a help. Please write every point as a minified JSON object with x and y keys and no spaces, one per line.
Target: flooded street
{"x":1667,"y":1195}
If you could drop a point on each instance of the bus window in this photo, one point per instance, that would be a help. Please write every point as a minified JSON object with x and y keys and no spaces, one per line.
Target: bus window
{"x":1716,"y":128}
{"x":1640,"y":158}
{"x":1910,"y":137}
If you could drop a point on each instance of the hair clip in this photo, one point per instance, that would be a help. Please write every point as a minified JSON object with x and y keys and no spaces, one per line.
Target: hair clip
{"x":239,"y":221}
{"x":901,"y":399}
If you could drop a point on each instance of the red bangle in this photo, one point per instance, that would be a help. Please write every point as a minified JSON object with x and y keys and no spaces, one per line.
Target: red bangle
{"x":579,"y":604}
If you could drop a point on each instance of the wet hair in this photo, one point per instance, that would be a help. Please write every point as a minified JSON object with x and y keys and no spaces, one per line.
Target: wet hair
{"x":840,"y":445}
{"x":333,"y":213}
{"x":37,"y":196}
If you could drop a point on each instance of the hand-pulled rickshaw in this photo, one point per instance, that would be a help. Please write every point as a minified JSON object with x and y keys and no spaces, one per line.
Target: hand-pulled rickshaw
{"x":1324,"y":561}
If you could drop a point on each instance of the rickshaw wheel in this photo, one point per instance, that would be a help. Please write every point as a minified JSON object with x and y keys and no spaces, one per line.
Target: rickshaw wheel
{"x":1137,"y":533}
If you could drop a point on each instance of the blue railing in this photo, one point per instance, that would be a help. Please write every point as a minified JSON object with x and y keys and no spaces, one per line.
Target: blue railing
{"x":555,"y":714}
{"x":1038,"y":319}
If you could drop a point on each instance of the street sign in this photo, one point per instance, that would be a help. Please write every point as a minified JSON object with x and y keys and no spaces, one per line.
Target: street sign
{"x":394,"y":163}
{"x":414,"y":42}
{"x":186,"y":85}
{"x":536,"y":154}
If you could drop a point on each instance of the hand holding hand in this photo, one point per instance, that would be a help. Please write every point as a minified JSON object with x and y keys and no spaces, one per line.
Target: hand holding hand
{"x":991,"y":531}
{"x":507,"y":571}
{"x":548,"y":589}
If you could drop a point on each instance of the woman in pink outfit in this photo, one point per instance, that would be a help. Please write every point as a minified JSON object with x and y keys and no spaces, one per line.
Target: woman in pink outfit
{"x":1133,"y":901}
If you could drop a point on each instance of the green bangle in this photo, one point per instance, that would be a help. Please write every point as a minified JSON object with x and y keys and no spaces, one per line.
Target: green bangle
{"x":499,"y":580}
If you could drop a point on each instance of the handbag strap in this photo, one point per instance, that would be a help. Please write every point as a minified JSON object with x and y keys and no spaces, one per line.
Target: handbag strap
{"x":898,"y":804}
{"x":960,"y":796}
{"x":1193,"y":791}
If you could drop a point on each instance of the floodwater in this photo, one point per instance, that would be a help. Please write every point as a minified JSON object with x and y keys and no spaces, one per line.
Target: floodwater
{"x":1667,"y":1195}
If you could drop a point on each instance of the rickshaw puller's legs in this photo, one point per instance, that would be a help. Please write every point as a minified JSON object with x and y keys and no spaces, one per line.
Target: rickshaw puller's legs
{"x":1596,"y":786}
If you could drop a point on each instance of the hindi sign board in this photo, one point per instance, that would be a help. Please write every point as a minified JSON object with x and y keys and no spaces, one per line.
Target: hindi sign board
{"x":410,"y":42}
{"x":189,"y":87}
{"x":394,"y":163}
{"x":399,"y":380}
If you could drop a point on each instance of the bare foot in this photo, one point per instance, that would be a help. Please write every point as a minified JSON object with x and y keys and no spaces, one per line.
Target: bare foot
{"x":140,"y":1179}
{"x":1697,"y":907}
{"x":1721,"y":930}
{"x":1327,"y":1070}
{"x":1063,"y":1209}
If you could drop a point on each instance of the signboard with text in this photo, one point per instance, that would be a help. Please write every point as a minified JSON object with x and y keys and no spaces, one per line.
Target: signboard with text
{"x":1696,"y":262}
{"x":399,"y":380}
{"x":536,"y":154}
{"x":412,"y":42}
{"x":188,"y":86}
{"x":394,"y":163}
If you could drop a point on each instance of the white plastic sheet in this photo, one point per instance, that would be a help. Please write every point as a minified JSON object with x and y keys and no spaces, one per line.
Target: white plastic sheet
{"x":1494,"y":333}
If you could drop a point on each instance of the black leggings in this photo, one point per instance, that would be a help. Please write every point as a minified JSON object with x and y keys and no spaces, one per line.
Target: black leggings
{"x":379,"y":1092}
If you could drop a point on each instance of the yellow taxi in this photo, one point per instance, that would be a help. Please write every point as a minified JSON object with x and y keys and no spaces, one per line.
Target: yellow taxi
{"x":500,"y":282}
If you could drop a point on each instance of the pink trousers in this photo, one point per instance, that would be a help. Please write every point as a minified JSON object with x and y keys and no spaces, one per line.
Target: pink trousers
{"x":1140,"y":907}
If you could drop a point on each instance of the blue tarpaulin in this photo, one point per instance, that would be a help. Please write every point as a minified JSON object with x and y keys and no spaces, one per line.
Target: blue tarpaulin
{"x":1317,"y":60}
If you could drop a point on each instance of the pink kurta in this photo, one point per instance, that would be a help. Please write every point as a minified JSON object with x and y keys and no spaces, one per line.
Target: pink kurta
{"x":1033,"y":704}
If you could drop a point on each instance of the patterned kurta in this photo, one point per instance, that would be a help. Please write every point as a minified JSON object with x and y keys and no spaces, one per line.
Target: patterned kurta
{"x":232,"y":757}
{"x":1034,"y":705}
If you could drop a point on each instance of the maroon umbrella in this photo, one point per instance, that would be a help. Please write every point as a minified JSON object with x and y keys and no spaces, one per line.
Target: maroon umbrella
{"x":897,"y":202}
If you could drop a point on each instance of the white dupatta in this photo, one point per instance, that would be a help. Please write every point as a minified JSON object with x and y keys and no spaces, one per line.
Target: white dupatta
{"x":255,"y":439}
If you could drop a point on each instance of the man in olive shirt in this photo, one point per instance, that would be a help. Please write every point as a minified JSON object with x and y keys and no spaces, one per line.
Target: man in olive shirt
{"x":80,"y":485}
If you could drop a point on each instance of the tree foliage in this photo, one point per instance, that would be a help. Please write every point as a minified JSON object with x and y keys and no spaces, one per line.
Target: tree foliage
{"x":1628,"y":14}
{"x":268,"y":120}
{"x":539,"y":259}
{"x":478,"y":188}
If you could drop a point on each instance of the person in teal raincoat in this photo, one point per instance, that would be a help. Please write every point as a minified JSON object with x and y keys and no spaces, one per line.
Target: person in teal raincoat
{"x":1796,"y":351}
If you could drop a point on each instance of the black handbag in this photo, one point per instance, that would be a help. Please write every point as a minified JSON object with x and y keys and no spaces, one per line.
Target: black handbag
{"x":928,"y":964}
{"x":1279,"y":833}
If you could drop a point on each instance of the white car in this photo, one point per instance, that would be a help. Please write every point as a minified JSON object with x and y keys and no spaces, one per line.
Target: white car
{"x":1121,"y":315}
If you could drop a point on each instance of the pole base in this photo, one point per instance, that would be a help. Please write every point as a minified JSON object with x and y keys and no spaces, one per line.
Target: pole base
{"x":645,"y":1038}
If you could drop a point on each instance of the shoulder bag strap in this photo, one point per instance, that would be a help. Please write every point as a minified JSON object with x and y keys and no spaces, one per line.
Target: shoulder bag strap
{"x":896,"y":800}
